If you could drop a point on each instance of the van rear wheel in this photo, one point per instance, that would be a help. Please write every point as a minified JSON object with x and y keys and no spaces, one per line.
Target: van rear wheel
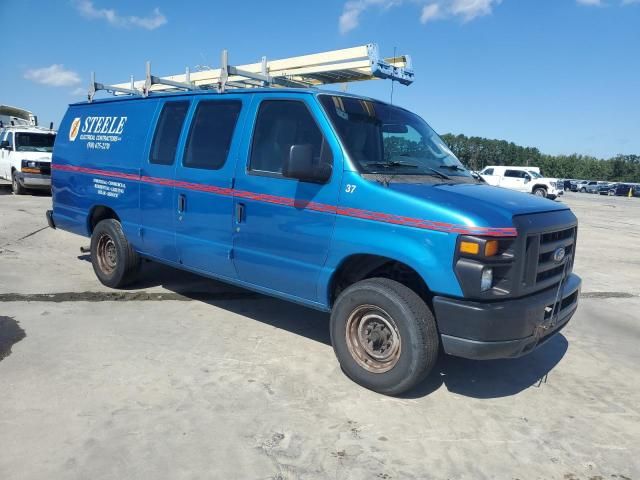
{"x":114,"y":261}
{"x":384,"y":335}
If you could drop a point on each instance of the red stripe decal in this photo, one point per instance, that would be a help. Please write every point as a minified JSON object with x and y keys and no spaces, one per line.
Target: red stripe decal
{"x":318,"y":207}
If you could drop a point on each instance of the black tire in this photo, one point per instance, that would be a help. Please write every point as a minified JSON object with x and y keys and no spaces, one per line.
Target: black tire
{"x":114,"y":261}
{"x":415,"y":328}
{"x":16,"y":187}
{"x":540,"y":192}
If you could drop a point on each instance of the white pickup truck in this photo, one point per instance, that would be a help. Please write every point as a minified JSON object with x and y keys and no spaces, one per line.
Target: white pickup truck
{"x":522,"y":179}
{"x":25,"y":157}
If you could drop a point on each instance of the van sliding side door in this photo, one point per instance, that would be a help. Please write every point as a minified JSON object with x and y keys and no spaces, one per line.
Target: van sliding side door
{"x":203,"y":203}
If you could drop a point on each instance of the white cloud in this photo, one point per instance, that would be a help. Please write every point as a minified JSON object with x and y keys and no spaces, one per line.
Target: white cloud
{"x":352,"y":10}
{"x":470,"y":9}
{"x":150,"y":22}
{"x":54,"y":75}
{"x":591,"y":3}
{"x":606,"y":3}
{"x":431,"y":10}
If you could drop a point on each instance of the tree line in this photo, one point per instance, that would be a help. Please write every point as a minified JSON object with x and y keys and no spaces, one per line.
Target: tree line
{"x":477,"y":152}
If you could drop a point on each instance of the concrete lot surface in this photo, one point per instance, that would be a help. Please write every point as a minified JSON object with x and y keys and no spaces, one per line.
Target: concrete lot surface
{"x":186,"y":378}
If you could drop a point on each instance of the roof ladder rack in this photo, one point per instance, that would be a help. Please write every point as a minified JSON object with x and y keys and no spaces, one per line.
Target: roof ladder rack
{"x":95,"y":87}
{"x":335,"y":66}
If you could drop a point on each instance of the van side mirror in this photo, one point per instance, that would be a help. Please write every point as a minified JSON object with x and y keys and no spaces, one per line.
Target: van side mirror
{"x":4,"y":145}
{"x":527,"y":178}
{"x":300,"y":165}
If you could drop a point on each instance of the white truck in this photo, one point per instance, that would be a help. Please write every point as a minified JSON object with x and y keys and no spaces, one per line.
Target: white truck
{"x":25,"y":157}
{"x":522,"y":179}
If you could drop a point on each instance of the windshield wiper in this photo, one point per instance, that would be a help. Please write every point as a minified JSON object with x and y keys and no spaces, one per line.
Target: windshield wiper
{"x":457,"y":168}
{"x":393,"y":163}
{"x":439,"y":174}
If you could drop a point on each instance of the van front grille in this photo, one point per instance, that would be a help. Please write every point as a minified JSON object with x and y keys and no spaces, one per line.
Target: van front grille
{"x":542,"y":269}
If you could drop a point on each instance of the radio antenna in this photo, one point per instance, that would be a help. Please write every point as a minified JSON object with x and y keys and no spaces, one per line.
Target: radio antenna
{"x":392,"y":82}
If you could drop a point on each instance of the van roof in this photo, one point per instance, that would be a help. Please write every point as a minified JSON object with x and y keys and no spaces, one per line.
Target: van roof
{"x":189,"y":93}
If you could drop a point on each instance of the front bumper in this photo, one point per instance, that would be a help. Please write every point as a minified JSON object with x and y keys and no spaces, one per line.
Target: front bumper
{"x":34,"y":180}
{"x":505,"y":329}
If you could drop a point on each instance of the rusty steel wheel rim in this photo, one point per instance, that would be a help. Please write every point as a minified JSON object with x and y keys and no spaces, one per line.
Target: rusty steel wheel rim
{"x":373,"y":339}
{"x":107,"y":254}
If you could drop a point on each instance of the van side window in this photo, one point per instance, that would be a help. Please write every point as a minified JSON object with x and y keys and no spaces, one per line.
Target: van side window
{"x":488,"y":171}
{"x":210,"y":135}
{"x":165,"y":139}
{"x":281,"y":124}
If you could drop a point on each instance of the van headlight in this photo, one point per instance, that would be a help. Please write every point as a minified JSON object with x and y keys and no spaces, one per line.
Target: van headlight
{"x":29,"y":164}
{"x":486,"y":279}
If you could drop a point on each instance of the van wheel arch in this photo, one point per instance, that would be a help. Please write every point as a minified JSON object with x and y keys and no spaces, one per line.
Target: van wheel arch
{"x":99,"y":213}
{"x":364,"y":266}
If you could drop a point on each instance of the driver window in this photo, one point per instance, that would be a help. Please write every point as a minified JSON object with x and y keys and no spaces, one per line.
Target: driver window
{"x":280,"y":125}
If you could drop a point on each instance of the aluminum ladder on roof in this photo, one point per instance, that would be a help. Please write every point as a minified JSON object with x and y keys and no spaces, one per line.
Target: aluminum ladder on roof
{"x":336,"y":66}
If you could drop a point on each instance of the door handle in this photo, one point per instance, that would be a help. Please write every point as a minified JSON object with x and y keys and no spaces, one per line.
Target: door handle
{"x":182,"y":203}
{"x":240,"y":212}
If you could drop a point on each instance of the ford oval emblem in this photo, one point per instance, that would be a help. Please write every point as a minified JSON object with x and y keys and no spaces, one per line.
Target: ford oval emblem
{"x":558,"y":255}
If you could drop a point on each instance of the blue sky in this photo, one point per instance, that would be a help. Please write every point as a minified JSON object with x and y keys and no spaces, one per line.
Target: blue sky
{"x":561,"y":75}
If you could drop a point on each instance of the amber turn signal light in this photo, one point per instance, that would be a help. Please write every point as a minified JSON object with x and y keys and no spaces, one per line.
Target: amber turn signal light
{"x":471,"y":248}
{"x":491,"y":248}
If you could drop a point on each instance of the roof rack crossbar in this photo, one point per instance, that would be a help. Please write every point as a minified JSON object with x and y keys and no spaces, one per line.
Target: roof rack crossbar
{"x":95,"y":87}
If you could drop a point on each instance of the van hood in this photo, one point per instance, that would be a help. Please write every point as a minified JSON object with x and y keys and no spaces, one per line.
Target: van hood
{"x":493,"y":204}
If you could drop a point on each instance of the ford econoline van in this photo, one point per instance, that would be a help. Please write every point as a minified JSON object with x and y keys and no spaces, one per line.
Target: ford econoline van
{"x":339,"y":202}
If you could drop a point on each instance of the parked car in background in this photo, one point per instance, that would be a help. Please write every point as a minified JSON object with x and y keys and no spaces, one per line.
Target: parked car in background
{"x":619,"y":189}
{"x":578,"y":184}
{"x":595,"y":186}
{"x":522,"y":179}
{"x":585,"y":185}
{"x":603,"y":189}
{"x":565,"y":184}
{"x":25,"y":157}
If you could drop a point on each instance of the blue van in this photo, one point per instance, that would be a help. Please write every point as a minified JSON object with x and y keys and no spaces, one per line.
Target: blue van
{"x":342,"y":203}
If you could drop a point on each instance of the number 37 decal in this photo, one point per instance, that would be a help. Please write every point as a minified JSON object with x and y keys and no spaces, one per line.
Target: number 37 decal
{"x":350,"y":188}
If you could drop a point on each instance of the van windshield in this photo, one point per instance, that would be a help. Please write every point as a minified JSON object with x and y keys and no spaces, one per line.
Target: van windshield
{"x":384,"y":139}
{"x":34,"y":142}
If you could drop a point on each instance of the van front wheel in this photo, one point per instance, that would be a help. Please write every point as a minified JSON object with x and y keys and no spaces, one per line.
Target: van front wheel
{"x":16,"y":186}
{"x":114,"y":261}
{"x":540,"y":192}
{"x":384,"y":335}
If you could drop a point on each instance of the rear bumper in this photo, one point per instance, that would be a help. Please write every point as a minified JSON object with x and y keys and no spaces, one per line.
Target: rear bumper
{"x":34,"y":180}
{"x":506,"y":329}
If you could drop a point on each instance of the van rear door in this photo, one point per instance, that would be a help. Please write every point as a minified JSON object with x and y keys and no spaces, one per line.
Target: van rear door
{"x":283,"y":226}
{"x":203,"y":202}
